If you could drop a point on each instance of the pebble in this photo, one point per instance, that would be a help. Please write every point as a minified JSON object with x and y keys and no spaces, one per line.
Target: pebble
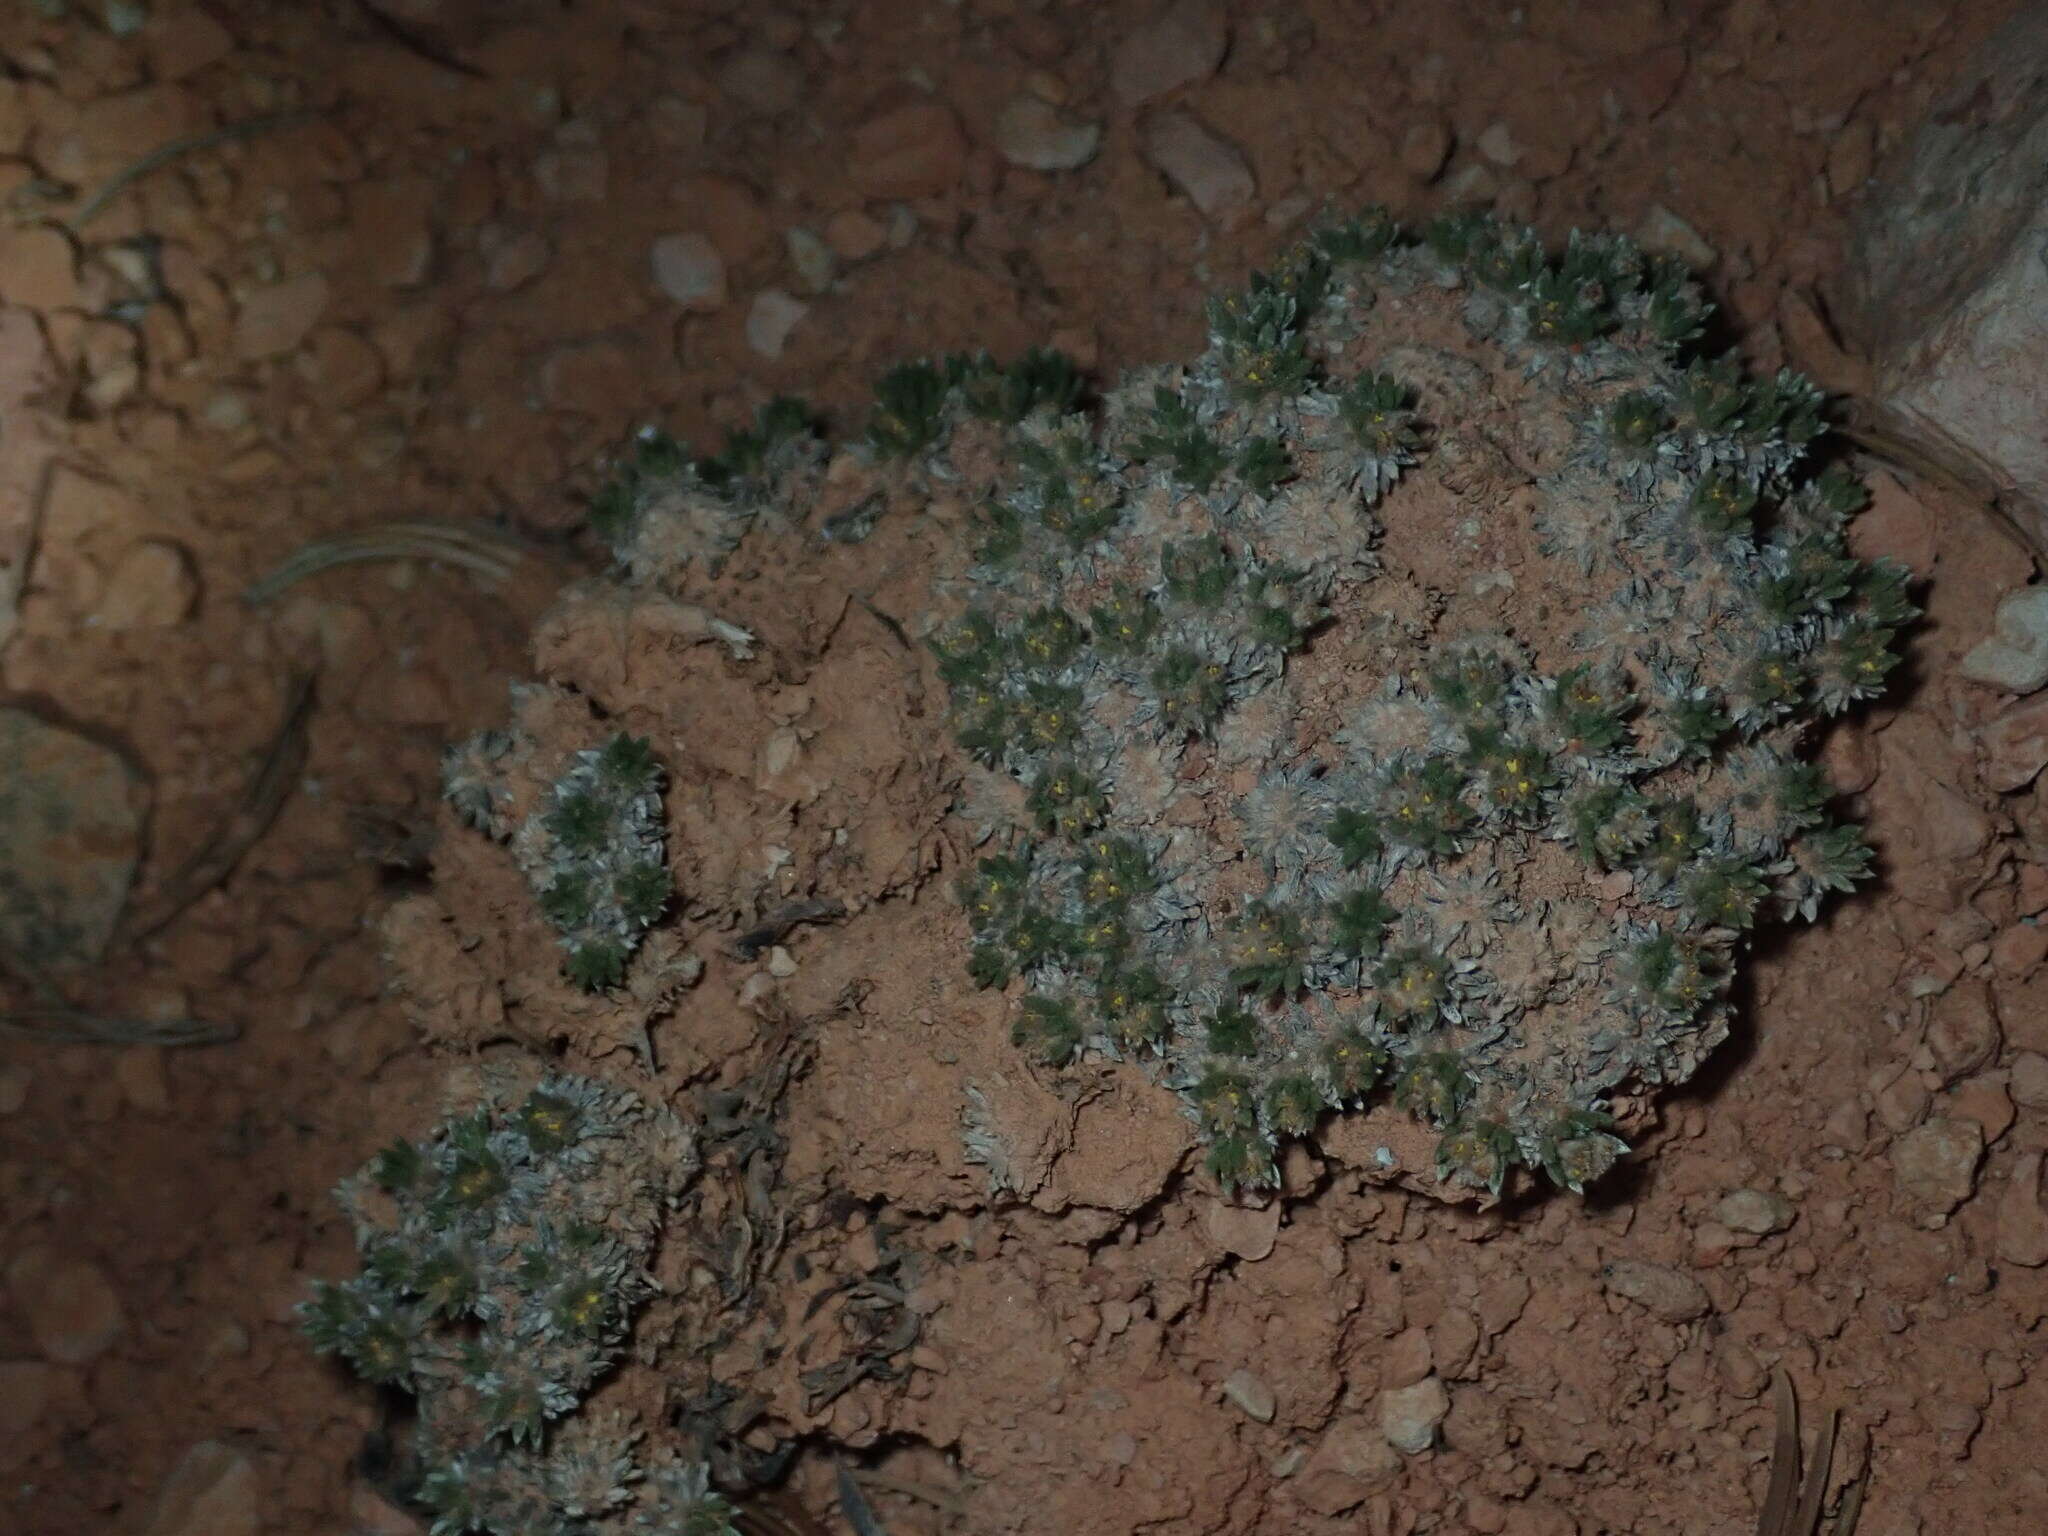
{"x":182,"y":40}
{"x":2029,"y":1080}
{"x":1756,"y":1211}
{"x":1209,"y":170}
{"x":1251,"y":1395}
{"x":38,"y":269}
{"x":1934,"y":1167}
{"x":1497,"y":142}
{"x":2022,"y":1217}
{"x":1184,"y":45}
{"x":1033,"y":133}
{"x":773,"y":316}
{"x":152,"y":586}
{"x":72,"y":1311}
{"x":2018,"y":950}
{"x":212,"y":1491}
{"x":1406,"y":1359}
{"x":812,"y":258}
{"x":2013,"y":746}
{"x":1410,"y":1416}
{"x":2014,"y":656}
{"x":276,"y":319}
{"x":1424,"y":149}
{"x":1349,"y":1462}
{"x":781,"y":963}
{"x":914,"y":150}
{"x":854,"y":236}
{"x":1663,"y":232}
{"x":1963,"y":1031}
{"x":1663,"y":1291}
{"x":1249,"y":1231}
{"x":514,"y":260}
{"x":688,"y":268}
{"x":573,"y":175}
{"x":342,"y":364}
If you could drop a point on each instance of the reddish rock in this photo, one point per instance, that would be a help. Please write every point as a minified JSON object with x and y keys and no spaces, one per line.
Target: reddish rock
{"x":2023,"y":1216}
{"x":38,"y":269}
{"x":1665,"y":1292}
{"x":1963,"y":1031}
{"x":182,"y":40}
{"x":1934,"y":1168}
{"x":913,"y":150}
{"x":2014,"y":744}
{"x":1184,"y":45}
{"x":276,"y":319}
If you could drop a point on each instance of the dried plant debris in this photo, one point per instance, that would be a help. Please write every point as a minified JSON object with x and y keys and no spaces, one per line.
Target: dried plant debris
{"x":1499,"y":872}
{"x":1795,"y":1504}
{"x":504,"y":1258}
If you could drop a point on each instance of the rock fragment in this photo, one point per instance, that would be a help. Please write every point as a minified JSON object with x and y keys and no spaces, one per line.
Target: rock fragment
{"x":1665,"y":233}
{"x":2022,"y":1217}
{"x":1424,"y":148}
{"x":914,"y":150}
{"x":212,"y":1491}
{"x":2014,"y":656}
{"x":1410,"y":1416}
{"x":2013,"y":746}
{"x":1185,"y":44}
{"x":1755,"y":1211}
{"x":688,"y":268}
{"x":1208,"y":169}
{"x":72,"y":1311}
{"x":274,"y":320}
{"x":1934,"y":1167}
{"x":1664,"y":1292}
{"x":1250,"y":1394}
{"x":773,"y":316}
{"x":1033,"y":133}
{"x":152,"y":586}
{"x":1349,"y":1463}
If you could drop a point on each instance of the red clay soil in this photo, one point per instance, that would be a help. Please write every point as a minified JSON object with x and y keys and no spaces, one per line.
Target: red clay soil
{"x":419,"y":280}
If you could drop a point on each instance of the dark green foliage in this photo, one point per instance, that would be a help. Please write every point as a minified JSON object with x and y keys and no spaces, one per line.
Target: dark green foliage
{"x":1675,"y":839}
{"x":1478,"y":1152}
{"x":909,"y":413}
{"x":1049,"y":638}
{"x":1433,"y":1086}
{"x":596,"y":965}
{"x":1673,"y":978}
{"x":1722,"y":893}
{"x":749,"y":453}
{"x":1262,"y":464}
{"x":1042,"y":379}
{"x":1722,"y":502}
{"x":643,"y":890}
{"x":1579,"y":1148}
{"x":1049,"y":1027}
{"x":1268,"y":952}
{"x":1610,"y":824}
{"x":398,"y":1167}
{"x":1590,"y":707}
{"x":1511,"y":776}
{"x":1177,"y":438}
{"x":1359,"y":923}
{"x":550,"y":1122}
{"x":1133,"y":1001}
{"x":1125,"y":621}
{"x":1114,"y":870}
{"x":1423,"y":807}
{"x":579,"y":822}
{"x":1635,"y":421}
{"x":1199,"y":573}
{"x":1359,"y":240}
{"x":1067,"y":801}
{"x":1357,"y":836}
{"x":627,"y":762}
{"x":1471,"y":686}
{"x":1257,"y":339}
{"x":1293,"y":1105}
{"x":1378,"y":411}
{"x":1233,"y":1031}
{"x":1712,"y":393}
{"x":1226,"y":1100}
{"x":1455,"y":236}
{"x":1352,"y":1062}
{"x":1191,"y":690}
{"x":1413,"y":984}
{"x":1239,"y":1160}
{"x":995,"y":890}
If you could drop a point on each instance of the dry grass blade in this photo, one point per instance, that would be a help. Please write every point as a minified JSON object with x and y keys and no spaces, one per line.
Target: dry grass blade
{"x":1793,"y":1504}
{"x":1776,"y":1519}
{"x":75,"y":1026}
{"x":265,"y":794}
{"x":156,"y":158}
{"x":484,"y":552}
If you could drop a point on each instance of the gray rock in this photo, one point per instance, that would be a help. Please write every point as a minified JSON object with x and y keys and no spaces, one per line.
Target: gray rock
{"x":815,"y":264}
{"x":688,"y":268}
{"x":71,"y":818}
{"x":773,"y":316}
{"x":1037,"y":135}
{"x":1411,"y":1415}
{"x":1946,"y":289}
{"x":1934,"y":1168}
{"x":1251,"y":1394}
{"x":212,"y":1491}
{"x":1755,"y":1211}
{"x":2014,"y":656}
{"x":1665,"y":1292}
{"x":1667,"y":234}
{"x":1209,"y":169}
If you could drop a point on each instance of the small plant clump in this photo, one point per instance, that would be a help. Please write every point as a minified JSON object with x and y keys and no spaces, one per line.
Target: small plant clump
{"x":1496,"y":869}
{"x":594,"y":850}
{"x":504,"y":1257}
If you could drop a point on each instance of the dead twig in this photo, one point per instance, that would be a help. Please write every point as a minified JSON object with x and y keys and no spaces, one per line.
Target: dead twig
{"x":74,"y":1026}
{"x":776,"y":927}
{"x":177,"y":148}
{"x":216,"y":858}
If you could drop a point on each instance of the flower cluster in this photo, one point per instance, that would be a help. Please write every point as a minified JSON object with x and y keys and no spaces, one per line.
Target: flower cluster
{"x":1503,"y":875}
{"x":503,"y":1258}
